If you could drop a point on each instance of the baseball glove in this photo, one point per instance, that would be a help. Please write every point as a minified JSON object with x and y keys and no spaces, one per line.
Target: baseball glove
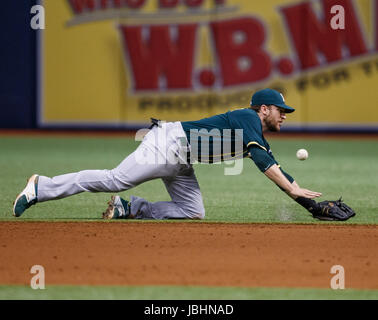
{"x":333,"y":211}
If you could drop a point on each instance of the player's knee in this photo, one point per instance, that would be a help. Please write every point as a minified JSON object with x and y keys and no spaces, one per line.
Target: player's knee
{"x":200,"y":211}
{"x":200,"y":214}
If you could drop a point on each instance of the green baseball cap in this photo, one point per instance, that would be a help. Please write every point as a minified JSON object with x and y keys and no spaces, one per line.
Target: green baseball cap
{"x":270,"y":97}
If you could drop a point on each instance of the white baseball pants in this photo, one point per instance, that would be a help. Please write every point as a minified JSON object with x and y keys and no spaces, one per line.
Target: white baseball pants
{"x":161,"y":154}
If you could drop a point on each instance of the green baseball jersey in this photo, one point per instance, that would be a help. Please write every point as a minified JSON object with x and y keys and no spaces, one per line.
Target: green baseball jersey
{"x":230,"y":136}
{"x":226,"y":136}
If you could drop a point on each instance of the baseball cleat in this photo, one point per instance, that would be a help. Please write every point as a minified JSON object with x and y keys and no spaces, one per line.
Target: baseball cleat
{"x":118,"y":208}
{"x":27,"y":197}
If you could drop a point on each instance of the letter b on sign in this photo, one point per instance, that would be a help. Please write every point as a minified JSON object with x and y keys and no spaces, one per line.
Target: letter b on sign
{"x":38,"y":20}
{"x":338,"y":280}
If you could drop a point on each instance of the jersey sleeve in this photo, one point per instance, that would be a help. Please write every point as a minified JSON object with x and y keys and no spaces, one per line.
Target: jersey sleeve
{"x":250,"y":123}
{"x":261,"y":158}
{"x":253,"y":139}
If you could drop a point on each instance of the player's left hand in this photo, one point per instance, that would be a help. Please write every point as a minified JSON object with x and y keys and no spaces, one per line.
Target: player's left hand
{"x":333,"y":211}
{"x":305,"y":193}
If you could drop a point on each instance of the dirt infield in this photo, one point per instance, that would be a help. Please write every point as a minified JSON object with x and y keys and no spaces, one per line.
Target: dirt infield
{"x":180,"y":253}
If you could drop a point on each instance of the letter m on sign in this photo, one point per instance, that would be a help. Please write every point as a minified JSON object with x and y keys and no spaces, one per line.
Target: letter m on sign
{"x":311,"y":35}
{"x":161,"y":57}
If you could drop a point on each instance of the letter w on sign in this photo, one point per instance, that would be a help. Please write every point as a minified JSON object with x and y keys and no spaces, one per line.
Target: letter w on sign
{"x":160,"y":52}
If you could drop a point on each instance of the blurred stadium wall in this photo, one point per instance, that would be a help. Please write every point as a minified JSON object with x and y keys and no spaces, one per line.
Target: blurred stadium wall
{"x":18,"y":83}
{"x":116,"y":63}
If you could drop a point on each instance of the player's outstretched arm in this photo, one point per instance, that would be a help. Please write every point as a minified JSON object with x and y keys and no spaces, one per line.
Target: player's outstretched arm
{"x":325,"y":210}
{"x":287,"y":184}
{"x":292,"y":189}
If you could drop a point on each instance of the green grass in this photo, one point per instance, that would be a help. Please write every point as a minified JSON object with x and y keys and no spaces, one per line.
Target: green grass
{"x":335,"y":167}
{"x":347,"y":168}
{"x":179,"y":293}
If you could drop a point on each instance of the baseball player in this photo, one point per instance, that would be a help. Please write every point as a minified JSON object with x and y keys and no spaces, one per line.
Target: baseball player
{"x":168,"y":151}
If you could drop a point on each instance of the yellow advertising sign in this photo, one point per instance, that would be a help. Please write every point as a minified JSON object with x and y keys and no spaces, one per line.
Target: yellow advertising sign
{"x":120,"y":62}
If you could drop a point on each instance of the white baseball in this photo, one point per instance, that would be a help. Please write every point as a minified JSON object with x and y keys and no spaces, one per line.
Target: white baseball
{"x":302,"y":154}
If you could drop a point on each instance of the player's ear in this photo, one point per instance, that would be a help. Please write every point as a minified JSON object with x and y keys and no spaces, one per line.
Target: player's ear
{"x":265,"y":109}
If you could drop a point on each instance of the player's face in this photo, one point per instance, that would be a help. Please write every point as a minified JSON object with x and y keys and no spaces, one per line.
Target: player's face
{"x":275,"y":118}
